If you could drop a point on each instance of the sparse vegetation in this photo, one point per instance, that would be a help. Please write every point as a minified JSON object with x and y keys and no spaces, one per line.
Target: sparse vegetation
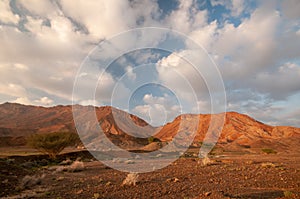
{"x":206,"y":161}
{"x":288,"y":194}
{"x":96,"y":195}
{"x":269,"y":151}
{"x":153,"y":139}
{"x":52,"y":143}
{"x":268,"y":165}
{"x":76,"y":166}
{"x":131,"y":179}
{"x":31,"y":181}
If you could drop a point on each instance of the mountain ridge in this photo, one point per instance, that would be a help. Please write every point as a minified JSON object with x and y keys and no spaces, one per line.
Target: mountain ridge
{"x":129,"y":131}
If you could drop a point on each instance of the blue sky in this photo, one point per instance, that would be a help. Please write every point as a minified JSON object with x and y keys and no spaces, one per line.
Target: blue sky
{"x":47,"y":45}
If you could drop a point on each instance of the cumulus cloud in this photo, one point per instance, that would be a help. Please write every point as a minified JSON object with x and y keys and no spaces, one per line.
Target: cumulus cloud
{"x":6,"y":14}
{"x":249,"y":47}
{"x":129,"y":72}
{"x":39,"y":8}
{"x":44,"y":101}
{"x":157,"y":110}
{"x":97,"y":17}
{"x":187,"y":17}
{"x":23,"y":100}
{"x":180,"y":76}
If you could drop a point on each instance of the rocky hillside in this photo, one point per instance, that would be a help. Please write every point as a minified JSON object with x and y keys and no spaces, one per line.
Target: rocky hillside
{"x":128,"y":131}
{"x":18,"y":121}
{"x":239,"y":131}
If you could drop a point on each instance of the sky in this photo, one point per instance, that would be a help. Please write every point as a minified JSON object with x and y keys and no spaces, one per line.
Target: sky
{"x":104,"y":53}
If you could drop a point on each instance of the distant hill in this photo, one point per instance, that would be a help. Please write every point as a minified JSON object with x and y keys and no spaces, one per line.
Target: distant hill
{"x":240,"y":132}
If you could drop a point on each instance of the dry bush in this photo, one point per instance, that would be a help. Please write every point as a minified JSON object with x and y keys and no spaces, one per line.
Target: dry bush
{"x":76,"y":166}
{"x":131,"y":179}
{"x":52,"y":143}
{"x":30,"y":181}
{"x":206,"y":161}
{"x":269,"y":151}
{"x":267,"y":165}
{"x":66,"y":162}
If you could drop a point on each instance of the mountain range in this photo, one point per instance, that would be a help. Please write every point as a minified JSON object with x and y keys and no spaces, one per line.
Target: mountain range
{"x":232,"y":130}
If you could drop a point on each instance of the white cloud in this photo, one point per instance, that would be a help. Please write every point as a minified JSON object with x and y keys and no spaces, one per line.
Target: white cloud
{"x":12,"y":89}
{"x":23,"y":100}
{"x":6,"y":15}
{"x":250,"y":46}
{"x":187,"y":81}
{"x":107,"y":18}
{"x":237,"y":7}
{"x":89,"y":102}
{"x":187,"y":17}
{"x":157,"y":110}
{"x":43,"y":8}
{"x":20,"y":66}
{"x":129,"y":72}
{"x":44,"y":101}
{"x":205,"y":36}
{"x":219,"y":2}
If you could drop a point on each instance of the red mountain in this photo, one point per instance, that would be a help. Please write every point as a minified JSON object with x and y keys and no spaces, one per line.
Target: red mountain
{"x":239,"y":131}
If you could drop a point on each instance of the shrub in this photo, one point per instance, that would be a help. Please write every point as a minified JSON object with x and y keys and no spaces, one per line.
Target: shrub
{"x":31,"y":181}
{"x":206,"y":161}
{"x":288,"y":194}
{"x":153,"y":139}
{"x":76,"y":166}
{"x":269,"y":151}
{"x":131,"y":179}
{"x":52,"y":143}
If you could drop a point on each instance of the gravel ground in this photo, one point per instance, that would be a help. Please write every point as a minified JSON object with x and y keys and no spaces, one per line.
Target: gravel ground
{"x":244,"y":176}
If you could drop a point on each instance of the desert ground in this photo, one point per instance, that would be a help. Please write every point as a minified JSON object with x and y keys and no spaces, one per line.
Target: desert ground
{"x":225,"y":176}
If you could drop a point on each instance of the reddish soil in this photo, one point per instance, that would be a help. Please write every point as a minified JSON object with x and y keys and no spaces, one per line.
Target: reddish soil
{"x":244,"y":176}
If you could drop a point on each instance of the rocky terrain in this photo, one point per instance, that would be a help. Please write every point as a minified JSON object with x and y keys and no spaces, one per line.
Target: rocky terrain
{"x":242,"y":176}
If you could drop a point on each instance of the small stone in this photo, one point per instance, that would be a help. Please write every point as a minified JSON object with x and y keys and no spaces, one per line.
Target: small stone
{"x":96,"y":195}
{"x":60,"y":178}
{"x":172,"y":180}
{"x":207,"y":193}
{"x":129,"y":162}
{"x":79,"y":191}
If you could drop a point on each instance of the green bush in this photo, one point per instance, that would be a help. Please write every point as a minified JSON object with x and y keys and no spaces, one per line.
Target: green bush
{"x":288,"y":194}
{"x":153,"y":139}
{"x":269,"y":151}
{"x":52,"y":143}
